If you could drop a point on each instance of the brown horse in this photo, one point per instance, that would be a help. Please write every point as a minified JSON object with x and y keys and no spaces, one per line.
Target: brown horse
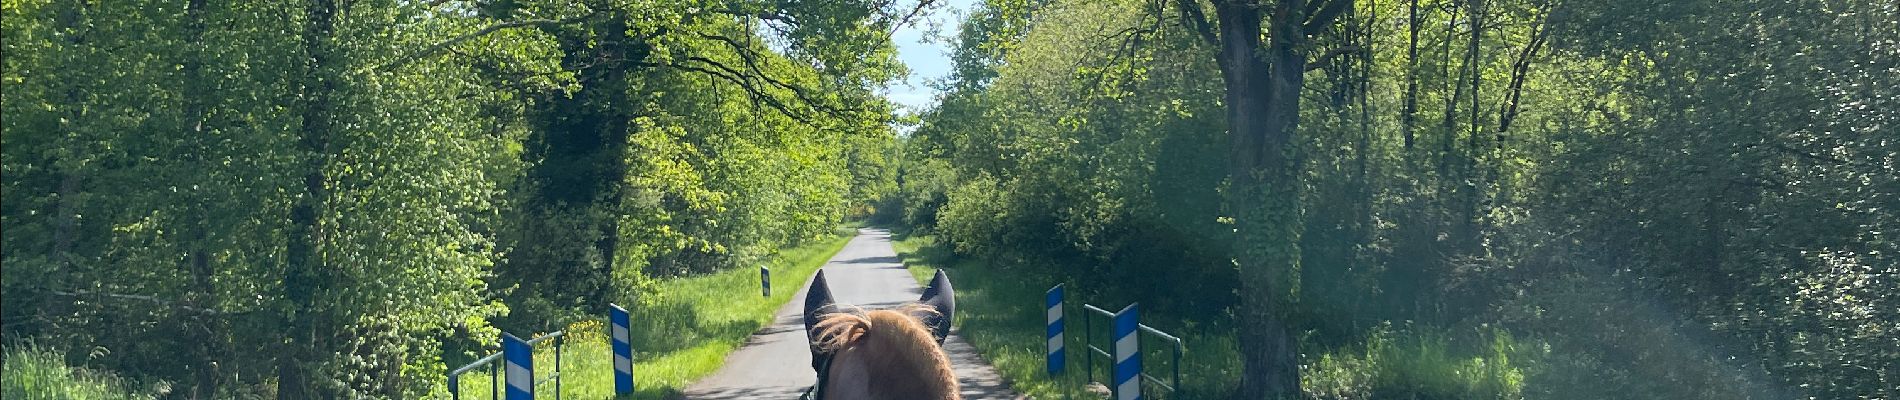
{"x":881,"y":354}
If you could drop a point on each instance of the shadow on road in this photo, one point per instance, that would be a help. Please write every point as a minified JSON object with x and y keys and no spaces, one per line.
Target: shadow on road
{"x":870,"y":260}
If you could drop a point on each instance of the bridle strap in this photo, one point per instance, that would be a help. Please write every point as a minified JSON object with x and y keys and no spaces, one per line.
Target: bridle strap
{"x":817,"y":391}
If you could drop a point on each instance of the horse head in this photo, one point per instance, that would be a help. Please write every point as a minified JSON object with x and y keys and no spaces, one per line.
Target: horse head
{"x":881,"y":353}
{"x":940,"y":298}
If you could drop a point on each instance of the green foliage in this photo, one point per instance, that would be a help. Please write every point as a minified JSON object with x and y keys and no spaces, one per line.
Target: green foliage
{"x":1675,"y":199}
{"x":684,"y":332}
{"x":994,"y":318}
{"x":703,"y":149}
{"x":317,"y":198}
{"x":369,"y":192}
{"x":1105,"y":165}
{"x":1422,"y":364}
{"x":873,"y":188}
{"x":922,"y":192}
{"x":971,"y":221}
{"x":175,"y":217}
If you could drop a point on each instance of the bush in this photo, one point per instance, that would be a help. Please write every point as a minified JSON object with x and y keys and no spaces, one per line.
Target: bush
{"x":1417,"y":364}
{"x":922,"y":193}
{"x":35,"y":373}
{"x":975,"y":216}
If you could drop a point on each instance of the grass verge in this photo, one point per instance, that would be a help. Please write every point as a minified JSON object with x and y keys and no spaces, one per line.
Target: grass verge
{"x":680,"y":338}
{"x":35,"y":373}
{"x":1001,"y":314}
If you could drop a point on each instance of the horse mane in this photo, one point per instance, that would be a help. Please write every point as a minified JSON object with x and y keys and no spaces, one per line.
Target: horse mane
{"x":905,"y":356}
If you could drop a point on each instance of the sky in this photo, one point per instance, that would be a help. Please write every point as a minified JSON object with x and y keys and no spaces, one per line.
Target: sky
{"x":927,"y":61}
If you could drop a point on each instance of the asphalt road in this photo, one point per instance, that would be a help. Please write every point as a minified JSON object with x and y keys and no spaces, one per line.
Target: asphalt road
{"x":775,"y":362}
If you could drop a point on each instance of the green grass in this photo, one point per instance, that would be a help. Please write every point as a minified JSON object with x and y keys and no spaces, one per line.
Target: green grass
{"x":1002,"y":316}
{"x":1000,"y":313}
{"x":680,"y":338}
{"x":1420,"y":362}
{"x":35,"y":373}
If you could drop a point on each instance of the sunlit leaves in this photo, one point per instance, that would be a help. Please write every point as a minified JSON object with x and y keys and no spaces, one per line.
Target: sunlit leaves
{"x":1735,"y":161}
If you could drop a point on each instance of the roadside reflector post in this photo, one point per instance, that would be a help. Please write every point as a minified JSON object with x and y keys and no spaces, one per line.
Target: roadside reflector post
{"x":623,"y":349}
{"x":765,"y":281}
{"x":1053,"y":307}
{"x":519,"y":357}
{"x":1127,"y":366}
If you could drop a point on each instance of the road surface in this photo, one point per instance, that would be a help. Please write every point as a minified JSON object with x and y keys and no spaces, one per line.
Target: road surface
{"x":775,"y":362}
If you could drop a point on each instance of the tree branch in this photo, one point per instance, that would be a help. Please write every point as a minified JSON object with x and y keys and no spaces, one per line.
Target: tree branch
{"x":149,"y":299}
{"x":1520,"y":70}
{"x":1130,"y":44}
{"x":750,"y":58}
{"x":440,"y":46}
{"x":727,"y":73}
{"x":1326,"y":60}
{"x":1812,"y":156}
{"x":1325,"y":15}
{"x":763,"y":15}
{"x":906,"y":20}
{"x":1196,"y":17}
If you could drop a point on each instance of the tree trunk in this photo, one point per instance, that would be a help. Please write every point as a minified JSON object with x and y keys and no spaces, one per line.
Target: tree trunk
{"x":614,"y":132}
{"x":1362,"y":180}
{"x":1409,"y":119}
{"x":304,"y":268}
{"x":1520,"y":70}
{"x":1472,"y":55}
{"x":1473,"y":176}
{"x":579,"y":158}
{"x":197,"y":100}
{"x":65,"y":210}
{"x":65,"y":234}
{"x":1263,"y":110}
{"x":1449,"y":123}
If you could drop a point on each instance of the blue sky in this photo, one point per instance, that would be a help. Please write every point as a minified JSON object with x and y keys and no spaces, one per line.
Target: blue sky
{"x":927,"y":61}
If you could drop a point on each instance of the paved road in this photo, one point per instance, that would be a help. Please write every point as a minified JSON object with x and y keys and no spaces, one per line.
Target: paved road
{"x":775,"y":362}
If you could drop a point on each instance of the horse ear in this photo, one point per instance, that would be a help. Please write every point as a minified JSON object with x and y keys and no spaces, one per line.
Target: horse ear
{"x":818,"y":303}
{"x":940,"y":296}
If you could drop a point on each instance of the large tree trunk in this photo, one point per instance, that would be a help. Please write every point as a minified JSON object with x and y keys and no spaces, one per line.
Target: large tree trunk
{"x":579,"y":156}
{"x":610,"y":162}
{"x":1362,"y":180}
{"x":209,"y":335}
{"x":304,"y":269}
{"x":1263,"y":110}
{"x":65,"y":212}
{"x":614,"y":131}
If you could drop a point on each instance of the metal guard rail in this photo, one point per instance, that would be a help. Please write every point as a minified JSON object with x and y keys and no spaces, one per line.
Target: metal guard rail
{"x":1088,"y":338}
{"x":494,"y":369}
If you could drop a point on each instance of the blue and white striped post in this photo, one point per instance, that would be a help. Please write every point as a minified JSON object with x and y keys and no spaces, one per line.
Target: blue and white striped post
{"x":623,"y":350}
{"x":1127,"y":337}
{"x":520,"y":370}
{"x":1057,"y":359}
{"x":765,"y":281}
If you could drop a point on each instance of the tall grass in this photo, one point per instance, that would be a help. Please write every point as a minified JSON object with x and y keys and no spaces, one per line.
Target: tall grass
{"x":36,"y":373}
{"x":1002,"y":315}
{"x":681,"y":337}
{"x":1419,"y":363}
{"x":1000,"y":312}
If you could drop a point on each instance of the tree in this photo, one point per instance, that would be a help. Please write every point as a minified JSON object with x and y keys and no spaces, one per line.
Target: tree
{"x":1264,"y":82}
